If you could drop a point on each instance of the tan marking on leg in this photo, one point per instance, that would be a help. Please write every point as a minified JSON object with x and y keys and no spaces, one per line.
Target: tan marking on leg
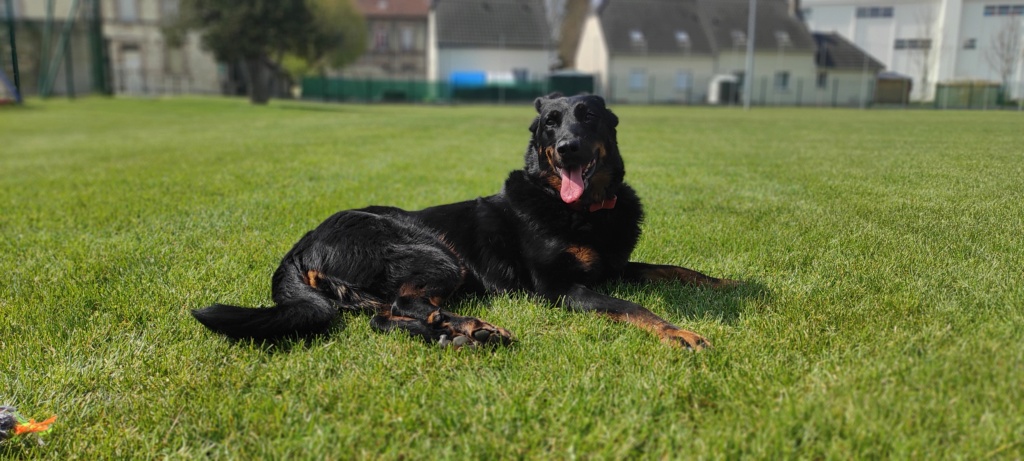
{"x":408,"y":290}
{"x":585,"y":255}
{"x":434,"y":317}
{"x":669,"y":333}
{"x":311,"y":278}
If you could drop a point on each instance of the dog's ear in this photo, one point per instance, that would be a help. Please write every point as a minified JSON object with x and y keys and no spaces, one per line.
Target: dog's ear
{"x":539,"y":102}
{"x":613,"y":119}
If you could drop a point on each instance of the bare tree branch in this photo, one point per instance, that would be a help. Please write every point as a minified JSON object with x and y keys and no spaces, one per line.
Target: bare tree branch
{"x":1006,"y":49}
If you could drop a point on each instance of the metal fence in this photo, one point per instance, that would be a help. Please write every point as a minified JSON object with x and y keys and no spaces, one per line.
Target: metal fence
{"x":372,"y":90}
{"x":765,"y":92}
{"x":971,"y":95}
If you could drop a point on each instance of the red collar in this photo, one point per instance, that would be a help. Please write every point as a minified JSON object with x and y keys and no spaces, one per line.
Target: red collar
{"x":607,"y":204}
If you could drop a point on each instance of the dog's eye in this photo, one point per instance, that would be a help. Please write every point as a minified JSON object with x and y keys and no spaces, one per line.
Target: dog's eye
{"x":591,"y":116}
{"x":553,"y":119}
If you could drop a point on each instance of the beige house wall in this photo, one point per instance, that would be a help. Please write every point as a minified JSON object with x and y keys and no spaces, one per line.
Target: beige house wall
{"x":653,"y":79}
{"x":800,"y":66}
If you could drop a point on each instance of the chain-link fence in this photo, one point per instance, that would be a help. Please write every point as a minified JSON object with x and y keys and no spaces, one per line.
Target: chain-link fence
{"x":836,"y":91}
{"x":371,"y":90}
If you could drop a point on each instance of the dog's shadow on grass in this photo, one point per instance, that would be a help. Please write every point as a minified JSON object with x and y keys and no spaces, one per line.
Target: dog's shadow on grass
{"x":682,"y":301}
{"x":296,"y":342}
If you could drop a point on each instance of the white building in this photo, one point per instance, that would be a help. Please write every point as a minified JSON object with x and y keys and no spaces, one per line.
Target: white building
{"x":505,"y":40}
{"x":683,"y":51}
{"x":932,"y":41}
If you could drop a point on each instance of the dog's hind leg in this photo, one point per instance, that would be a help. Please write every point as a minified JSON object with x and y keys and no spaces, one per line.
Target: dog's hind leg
{"x":386,"y":321}
{"x":420,"y":306}
{"x":424,"y":272}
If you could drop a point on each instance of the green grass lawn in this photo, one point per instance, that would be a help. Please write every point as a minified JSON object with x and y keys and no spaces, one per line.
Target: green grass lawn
{"x":883,"y":319}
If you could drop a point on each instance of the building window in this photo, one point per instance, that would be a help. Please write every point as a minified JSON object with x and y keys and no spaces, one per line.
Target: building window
{"x":970,"y":44}
{"x":1004,"y":10}
{"x":684,"y":79}
{"x":913,"y":44}
{"x":14,"y":13}
{"x":874,"y":12}
{"x":782,"y":38}
{"x":822,"y":79}
{"x":638,"y":79}
{"x":739,"y":38}
{"x":169,"y":9}
{"x":381,"y":38}
{"x":408,"y":41}
{"x":637,"y":40}
{"x":683,"y":39}
{"x":782,"y":80}
{"x":127,"y":10}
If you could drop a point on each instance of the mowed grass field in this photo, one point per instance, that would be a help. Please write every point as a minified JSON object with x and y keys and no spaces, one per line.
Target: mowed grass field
{"x":884,"y":317}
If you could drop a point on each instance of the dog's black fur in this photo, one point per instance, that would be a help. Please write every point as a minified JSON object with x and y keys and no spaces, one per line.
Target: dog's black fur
{"x":562,"y":225}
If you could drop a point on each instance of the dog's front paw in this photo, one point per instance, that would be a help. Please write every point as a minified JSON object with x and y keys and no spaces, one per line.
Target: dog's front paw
{"x":469,"y":331}
{"x":686,"y":339}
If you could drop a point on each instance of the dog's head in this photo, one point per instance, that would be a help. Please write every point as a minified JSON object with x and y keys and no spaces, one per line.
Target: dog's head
{"x":574,"y":151}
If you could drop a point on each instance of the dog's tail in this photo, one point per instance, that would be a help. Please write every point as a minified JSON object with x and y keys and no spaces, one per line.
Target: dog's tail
{"x":302,"y":309}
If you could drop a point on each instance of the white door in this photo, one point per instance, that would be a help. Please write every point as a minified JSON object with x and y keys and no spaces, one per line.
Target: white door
{"x":133,"y":81}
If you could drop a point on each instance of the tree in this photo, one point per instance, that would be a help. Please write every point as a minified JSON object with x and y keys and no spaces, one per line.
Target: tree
{"x":340,"y":36}
{"x":259,"y":33}
{"x":1005,"y":50}
{"x":341,"y":39}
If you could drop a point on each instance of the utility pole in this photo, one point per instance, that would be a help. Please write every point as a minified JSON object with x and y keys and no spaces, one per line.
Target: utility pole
{"x":14,"y":50}
{"x":748,"y":72}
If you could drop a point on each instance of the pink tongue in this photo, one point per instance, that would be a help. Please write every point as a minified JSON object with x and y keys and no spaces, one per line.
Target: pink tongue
{"x":572,"y":184}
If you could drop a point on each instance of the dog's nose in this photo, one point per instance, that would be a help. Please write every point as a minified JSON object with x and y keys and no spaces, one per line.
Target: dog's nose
{"x":567,"y":147}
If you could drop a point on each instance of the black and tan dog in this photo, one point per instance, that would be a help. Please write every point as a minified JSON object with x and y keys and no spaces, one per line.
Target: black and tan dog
{"x":562,"y":225}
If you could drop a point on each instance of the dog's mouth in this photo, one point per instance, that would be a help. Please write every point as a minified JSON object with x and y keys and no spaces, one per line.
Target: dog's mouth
{"x":575,"y":180}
